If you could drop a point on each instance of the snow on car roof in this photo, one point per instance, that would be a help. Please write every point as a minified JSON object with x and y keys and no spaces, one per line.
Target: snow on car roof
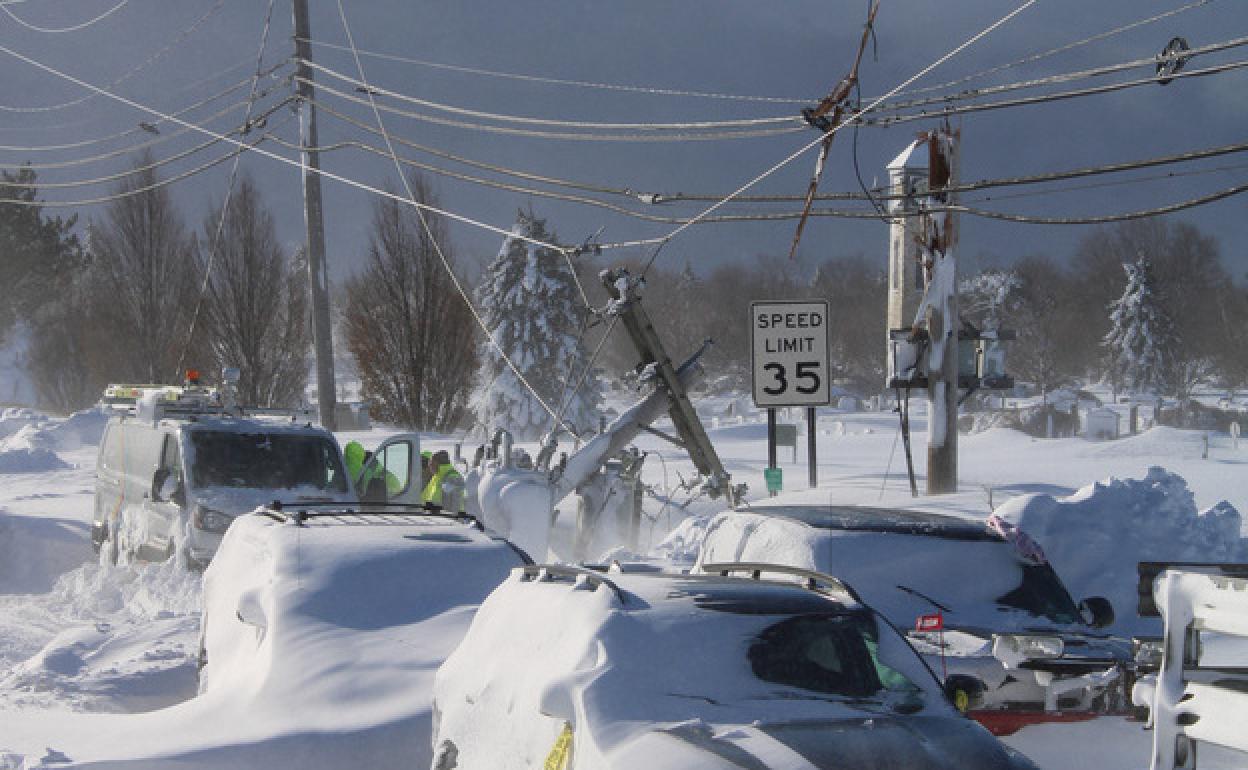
{"x":738,"y":595}
{"x":892,"y":520}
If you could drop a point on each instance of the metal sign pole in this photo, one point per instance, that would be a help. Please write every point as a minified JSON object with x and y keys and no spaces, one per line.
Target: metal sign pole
{"x":771,"y":442}
{"x":810,"y":447}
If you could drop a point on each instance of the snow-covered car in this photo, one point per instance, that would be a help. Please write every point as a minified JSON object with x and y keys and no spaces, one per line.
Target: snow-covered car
{"x":175,"y":472}
{"x":580,"y":669}
{"x":977,"y":598}
{"x":325,"y":619}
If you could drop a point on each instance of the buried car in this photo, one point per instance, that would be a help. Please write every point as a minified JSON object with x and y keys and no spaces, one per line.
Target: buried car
{"x":572,"y":668}
{"x":345,"y":612}
{"x":983,"y":602}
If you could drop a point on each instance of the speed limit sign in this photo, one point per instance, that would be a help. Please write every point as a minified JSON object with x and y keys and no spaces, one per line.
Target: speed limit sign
{"x":789,"y":353}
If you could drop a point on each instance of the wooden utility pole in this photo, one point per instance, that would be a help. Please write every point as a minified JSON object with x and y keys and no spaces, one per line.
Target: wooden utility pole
{"x":941,"y":306}
{"x":313,"y":214}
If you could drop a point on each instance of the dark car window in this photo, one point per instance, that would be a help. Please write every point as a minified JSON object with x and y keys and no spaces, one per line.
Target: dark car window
{"x":832,"y":654}
{"x":1042,"y":594}
{"x":266,"y":461}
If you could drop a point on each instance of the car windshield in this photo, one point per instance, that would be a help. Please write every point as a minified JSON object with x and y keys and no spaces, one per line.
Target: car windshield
{"x":1042,"y":594}
{"x":265,"y":461}
{"x":841,"y":655}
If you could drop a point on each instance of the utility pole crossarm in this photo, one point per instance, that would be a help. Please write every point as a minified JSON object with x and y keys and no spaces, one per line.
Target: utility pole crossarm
{"x":626,"y":302}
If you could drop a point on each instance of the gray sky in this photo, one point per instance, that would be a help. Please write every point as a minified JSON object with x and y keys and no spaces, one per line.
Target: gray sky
{"x":793,"y":48}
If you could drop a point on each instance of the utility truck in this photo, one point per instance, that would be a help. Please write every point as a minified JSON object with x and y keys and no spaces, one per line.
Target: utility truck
{"x":178,"y":463}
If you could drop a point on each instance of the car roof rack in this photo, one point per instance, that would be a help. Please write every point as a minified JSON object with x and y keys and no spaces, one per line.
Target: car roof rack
{"x":593,"y":577}
{"x":813,"y":579}
{"x":187,"y":402}
{"x":298,"y":511}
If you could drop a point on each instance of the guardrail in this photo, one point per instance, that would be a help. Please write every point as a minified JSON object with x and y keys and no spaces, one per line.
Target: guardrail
{"x":1201,"y":690}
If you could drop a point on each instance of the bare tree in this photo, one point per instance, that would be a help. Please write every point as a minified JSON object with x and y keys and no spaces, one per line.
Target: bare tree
{"x":254,"y":311}
{"x":413,"y":337}
{"x":142,"y":281}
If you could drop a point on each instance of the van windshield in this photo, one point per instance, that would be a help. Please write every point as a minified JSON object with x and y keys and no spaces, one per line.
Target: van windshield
{"x":265,"y":461}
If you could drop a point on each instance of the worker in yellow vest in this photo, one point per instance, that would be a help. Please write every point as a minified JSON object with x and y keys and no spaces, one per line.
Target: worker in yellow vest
{"x":446,"y":487}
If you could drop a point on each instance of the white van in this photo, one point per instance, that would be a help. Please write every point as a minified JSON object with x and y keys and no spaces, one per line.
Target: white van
{"x":177,"y":473}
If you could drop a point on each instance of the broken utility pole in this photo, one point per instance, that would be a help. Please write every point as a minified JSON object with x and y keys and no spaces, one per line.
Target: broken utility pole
{"x":318,"y":275}
{"x":625,"y":301}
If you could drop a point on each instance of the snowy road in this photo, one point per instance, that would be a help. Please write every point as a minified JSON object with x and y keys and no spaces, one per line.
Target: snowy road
{"x":77,"y":638}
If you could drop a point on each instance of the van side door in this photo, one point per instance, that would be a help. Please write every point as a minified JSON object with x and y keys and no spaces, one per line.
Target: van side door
{"x":109,"y":481}
{"x":393,"y":473}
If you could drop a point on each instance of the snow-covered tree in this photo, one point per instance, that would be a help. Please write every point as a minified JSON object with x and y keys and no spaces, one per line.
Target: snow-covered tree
{"x":1141,"y":338}
{"x":531,"y":306}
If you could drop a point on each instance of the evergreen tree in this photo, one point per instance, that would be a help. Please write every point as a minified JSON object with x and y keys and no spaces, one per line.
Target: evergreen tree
{"x":1141,"y":338}
{"x":528,"y":301}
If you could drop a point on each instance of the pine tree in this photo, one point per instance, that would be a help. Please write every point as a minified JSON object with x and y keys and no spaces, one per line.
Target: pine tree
{"x":1141,"y":339}
{"x":528,"y":300}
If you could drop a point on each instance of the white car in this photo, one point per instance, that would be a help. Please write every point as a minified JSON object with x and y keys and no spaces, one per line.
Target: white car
{"x":325,"y":621}
{"x":570,"y":668}
{"x":976,"y":599}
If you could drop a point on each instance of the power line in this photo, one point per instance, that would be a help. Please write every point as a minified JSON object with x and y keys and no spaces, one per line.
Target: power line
{"x":1060,"y":49}
{"x":241,"y":130}
{"x":446,"y":265}
{"x":1053,"y":97}
{"x":240,"y":147}
{"x":129,"y":73}
{"x":375,"y":90}
{"x":1065,"y":77}
{"x":834,"y":129}
{"x":568,"y":135}
{"x":658,"y":91}
{"x":1105,"y":219}
{"x":282,"y":159}
{"x":74,"y":28}
{"x":229,"y":192}
{"x":136,"y":129}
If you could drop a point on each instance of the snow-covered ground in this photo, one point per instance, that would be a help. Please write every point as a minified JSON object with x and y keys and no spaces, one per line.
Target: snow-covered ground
{"x":85,"y":648}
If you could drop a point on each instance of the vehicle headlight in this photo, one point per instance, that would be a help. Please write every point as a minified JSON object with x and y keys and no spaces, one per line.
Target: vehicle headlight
{"x":209,"y":520}
{"x":1012,"y":649}
{"x":1147,"y":651}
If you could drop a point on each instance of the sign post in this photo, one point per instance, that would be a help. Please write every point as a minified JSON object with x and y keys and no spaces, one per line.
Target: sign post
{"x":789,"y":361}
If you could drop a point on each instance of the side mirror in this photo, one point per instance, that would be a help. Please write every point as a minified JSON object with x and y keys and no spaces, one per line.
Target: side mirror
{"x":964,"y":692}
{"x":250,"y":611}
{"x":555,"y":701}
{"x":160,"y":485}
{"x":1097,"y":611}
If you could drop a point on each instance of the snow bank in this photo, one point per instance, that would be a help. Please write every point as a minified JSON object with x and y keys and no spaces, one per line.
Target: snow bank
{"x":683,"y":543}
{"x":30,"y":460}
{"x":1095,"y":537}
{"x":35,"y":551}
{"x":14,"y":419}
{"x":80,"y":429}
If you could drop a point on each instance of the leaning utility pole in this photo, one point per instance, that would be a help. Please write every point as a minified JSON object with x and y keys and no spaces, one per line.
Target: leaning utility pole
{"x":318,"y":278}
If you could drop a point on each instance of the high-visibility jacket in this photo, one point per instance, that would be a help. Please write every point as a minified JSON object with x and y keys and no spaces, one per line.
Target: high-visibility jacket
{"x":445,"y":477}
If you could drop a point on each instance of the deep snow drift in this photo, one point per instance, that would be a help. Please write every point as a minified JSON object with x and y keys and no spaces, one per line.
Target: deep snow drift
{"x":78,"y":637}
{"x":1096,"y":537}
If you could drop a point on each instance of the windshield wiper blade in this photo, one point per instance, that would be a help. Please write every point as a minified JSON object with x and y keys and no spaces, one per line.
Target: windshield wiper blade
{"x":925,"y":598}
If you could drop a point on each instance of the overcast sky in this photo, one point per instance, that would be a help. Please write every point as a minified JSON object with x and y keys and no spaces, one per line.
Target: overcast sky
{"x":792,"y":48}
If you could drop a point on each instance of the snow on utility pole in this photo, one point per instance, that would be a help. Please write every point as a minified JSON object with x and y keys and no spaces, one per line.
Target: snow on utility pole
{"x":937,"y":244}
{"x":322,"y":340}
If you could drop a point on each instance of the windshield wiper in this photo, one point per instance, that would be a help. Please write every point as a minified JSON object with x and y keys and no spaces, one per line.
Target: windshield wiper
{"x":925,"y":598}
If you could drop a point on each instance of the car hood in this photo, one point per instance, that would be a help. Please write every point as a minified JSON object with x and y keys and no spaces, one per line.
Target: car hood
{"x":876,"y":743}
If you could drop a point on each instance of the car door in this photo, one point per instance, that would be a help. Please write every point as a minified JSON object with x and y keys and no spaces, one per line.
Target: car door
{"x":109,"y":480}
{"x":396,"y":465}
{"x":166,"y":510}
